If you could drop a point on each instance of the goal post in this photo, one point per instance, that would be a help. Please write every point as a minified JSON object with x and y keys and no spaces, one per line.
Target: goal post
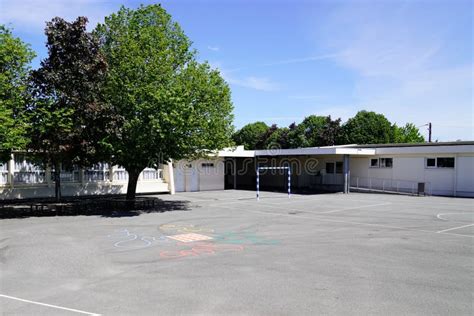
{"x":273,"y":168}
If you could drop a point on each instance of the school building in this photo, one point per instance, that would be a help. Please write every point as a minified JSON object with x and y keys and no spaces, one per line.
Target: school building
{"x":443,"y":168}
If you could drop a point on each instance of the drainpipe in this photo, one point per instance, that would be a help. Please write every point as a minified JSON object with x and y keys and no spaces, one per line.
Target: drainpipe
{"x":346,"y":173}
{"x":171,"y":178}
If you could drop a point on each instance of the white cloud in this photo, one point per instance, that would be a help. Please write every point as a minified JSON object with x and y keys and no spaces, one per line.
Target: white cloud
{"x":402,"y":65}
{"x":300,"y":60}
{"x":251,"y":82}
{"x":256,"y":83}
{"x":31,"y":15}
{"x":214,"y":48}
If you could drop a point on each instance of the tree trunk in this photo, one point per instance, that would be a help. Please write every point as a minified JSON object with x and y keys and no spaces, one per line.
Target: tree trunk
{"x":132,"y":184}
{"x":57,"y":182}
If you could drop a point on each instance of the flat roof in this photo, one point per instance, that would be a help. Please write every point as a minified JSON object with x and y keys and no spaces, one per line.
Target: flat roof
{"x":456,"y":143}
{"x":358,"y":150}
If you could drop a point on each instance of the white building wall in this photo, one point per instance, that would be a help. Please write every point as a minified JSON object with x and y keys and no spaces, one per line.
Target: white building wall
{"x":113,"y":180}
{"x":408,"y":170}
{"x":199,"y":175}
{"x":465,"y":175}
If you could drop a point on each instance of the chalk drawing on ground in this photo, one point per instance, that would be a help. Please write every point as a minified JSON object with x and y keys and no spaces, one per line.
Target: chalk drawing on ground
{"x":190,"y":237}
{"x":135,"y":241}
{"x":200,"y":249}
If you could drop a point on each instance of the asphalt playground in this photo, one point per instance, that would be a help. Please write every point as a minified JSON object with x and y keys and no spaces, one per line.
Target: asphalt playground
{"x":224,"y":253}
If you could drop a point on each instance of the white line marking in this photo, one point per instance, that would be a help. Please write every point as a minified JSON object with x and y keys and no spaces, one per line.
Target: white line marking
{"x":351,"y":222}
{"x":441,"y":217}
{"x":352,"y":208}
{"x":49,"y":305}
{"x":459,"y":227}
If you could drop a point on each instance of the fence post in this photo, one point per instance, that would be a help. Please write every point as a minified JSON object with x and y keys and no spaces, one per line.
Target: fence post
{"x":258,"y":184}
{"x":289,"y":182}
{"x":357,"y":182}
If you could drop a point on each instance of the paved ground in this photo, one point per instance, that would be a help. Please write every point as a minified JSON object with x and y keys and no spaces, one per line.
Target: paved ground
{"x":311,"y":254}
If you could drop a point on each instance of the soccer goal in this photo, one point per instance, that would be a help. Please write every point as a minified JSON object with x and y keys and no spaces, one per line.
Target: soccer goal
{"x":273,"y":168}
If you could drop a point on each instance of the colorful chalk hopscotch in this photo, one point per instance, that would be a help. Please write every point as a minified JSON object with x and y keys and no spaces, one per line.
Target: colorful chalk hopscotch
{"x":224,"y":242}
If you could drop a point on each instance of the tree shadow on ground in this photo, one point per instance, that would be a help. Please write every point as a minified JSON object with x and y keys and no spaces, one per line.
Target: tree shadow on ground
{"x":96,"y":206}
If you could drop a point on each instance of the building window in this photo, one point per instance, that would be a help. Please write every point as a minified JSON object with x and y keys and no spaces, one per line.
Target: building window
{"x":69,"y":172}
{"x":329,"y":167}
{"x":339,"y":167}
{"x":98,"y":172}
{"x":120,"y":174}
{"x":386,"y":162}
{"x":151,"y":174}
{"x":3,"y":173}
{"x":445,"y":162}
{"x":374,"y":163}
{"x":26,"y":171}
{"x":440,"y":162}
{"x":431,"y":162}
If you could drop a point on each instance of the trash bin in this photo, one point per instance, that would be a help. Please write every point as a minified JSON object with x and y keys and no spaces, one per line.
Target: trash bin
{"x":421,"y":188}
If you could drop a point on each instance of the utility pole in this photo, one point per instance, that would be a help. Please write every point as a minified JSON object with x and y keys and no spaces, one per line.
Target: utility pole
{"x":429,"y":132}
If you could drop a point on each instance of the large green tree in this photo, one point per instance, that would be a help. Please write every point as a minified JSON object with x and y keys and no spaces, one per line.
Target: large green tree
{"x":315,"y":131}
{"x":251,"y":136}
{"x":277,"y":138}
{"x":407,"y":134}
{"x":172,"y":107}
{"x":368,"y":128}
{"x":15,"y":57}
{"x":68,"y":118}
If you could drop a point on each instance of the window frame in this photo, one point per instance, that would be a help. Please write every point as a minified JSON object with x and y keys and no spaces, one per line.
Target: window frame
{"x":436,"y":159}
{"x":372,"y":166}
{"x":426,"y":163}
{"x":333,"y":169}
{"x":443,"y":167}
{"x":383,"y":162}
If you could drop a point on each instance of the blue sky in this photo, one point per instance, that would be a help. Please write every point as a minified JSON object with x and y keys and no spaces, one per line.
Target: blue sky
{"x":284,"y":60}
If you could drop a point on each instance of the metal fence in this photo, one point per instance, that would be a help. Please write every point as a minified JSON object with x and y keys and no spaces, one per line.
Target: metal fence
{"x":389,"y":185}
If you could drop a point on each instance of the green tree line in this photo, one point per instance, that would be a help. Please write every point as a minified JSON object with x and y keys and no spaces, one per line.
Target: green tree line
{"x":315,"y":131}
{"x":130,"y":92}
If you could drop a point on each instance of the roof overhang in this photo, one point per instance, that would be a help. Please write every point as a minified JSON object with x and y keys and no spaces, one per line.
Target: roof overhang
{"x":317,"y":151}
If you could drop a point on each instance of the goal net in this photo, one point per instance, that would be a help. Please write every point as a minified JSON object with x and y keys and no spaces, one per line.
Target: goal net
{"x":261,"y":169}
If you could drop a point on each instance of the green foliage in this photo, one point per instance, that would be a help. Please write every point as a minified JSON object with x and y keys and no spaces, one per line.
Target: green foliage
{"x":277,"y":138}
{"x":315,"y":131}
{"x":67,"y":116}
{"x":15,"y":57}
{"x":252,"y":136}
{"x":368,"y":128}
{"x":172,"y":107}
{"x":407,"y":134}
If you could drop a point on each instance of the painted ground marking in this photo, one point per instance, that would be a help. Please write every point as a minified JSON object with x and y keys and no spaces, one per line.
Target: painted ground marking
{"x":351,"y":222}
{"x":201,"y":248}
{"x":353,"y":208}
{"x":454,"y":228}
{"x":131,"y":240}
{"x":190,"y":237}
{"x":49,"y":305}
{"x":441,"y":217}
